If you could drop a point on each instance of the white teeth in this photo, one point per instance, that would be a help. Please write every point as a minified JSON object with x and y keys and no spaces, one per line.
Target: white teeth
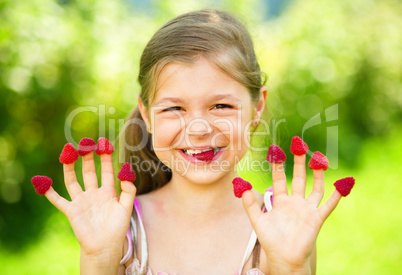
{"x":192,"y":152}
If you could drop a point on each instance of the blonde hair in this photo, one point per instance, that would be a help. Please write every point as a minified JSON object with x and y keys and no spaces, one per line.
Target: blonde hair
{"x":215,"y":35}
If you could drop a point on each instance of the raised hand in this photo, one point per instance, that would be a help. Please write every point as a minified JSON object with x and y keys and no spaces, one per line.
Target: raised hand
{"x":289,"y":231}
{"x":98,"y":217}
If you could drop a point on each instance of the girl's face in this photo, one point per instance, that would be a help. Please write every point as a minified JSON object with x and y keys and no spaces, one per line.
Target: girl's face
{"x":200,"y":121}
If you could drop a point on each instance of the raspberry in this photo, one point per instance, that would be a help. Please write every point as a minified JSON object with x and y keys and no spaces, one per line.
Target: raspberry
{"x":275,"y":154}
{"x":41,"y":184}
{"x":207,"y":155}
{"x":344,"y":185}
{"x":104,"y":147}
{"x":86,"y":146}
{"x":240,"y":186}
{"x":126,"y":173}
{"x":298,"y":146}
{"x":318,"y":161}
{"x":69,"y":154}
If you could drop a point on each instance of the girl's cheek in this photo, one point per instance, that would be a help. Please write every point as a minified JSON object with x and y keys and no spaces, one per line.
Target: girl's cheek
{"x":166,"y":130}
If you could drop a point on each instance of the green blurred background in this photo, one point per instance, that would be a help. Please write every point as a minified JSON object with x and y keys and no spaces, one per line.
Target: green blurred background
{"x":335,"y":73}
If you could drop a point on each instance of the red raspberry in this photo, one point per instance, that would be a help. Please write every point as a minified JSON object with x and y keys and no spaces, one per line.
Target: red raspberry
{"x":41,"y":184}
{"x":104,"y":147}
{"x":298,"y":146}
{"x":126,"y":173}
{"x":240,"y":186}
{"x":207,"y":155}
{"x":86,"y":146}
{"x":69,"y":154}
{"x":344,"y":185}
{"x":275,"y":154}
{"x":318,"y":161}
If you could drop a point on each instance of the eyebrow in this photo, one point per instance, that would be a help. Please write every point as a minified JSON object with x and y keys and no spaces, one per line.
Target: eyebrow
{"x":171,"y":99}
{"x":212,"y":98}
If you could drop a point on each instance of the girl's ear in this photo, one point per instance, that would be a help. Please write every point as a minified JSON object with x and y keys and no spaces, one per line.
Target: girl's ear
{"x":259,"y":107}
{"x":144,"y":113}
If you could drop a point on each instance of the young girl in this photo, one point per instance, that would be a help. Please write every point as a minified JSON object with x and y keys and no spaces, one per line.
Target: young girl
{"x":202,"y":94}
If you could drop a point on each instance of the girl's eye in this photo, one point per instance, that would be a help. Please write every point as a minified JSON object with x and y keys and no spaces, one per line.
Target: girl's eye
{"x":175,"y":108}
{"x":222,"y":106}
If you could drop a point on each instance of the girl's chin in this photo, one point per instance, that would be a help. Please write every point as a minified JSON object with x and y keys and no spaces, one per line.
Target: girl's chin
{"x":207,"y":176}
{"x":202,"y":178}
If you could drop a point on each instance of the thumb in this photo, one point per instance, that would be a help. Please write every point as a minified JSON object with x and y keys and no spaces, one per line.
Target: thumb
{"x":127,"y":195}
{"x":252,"y":208}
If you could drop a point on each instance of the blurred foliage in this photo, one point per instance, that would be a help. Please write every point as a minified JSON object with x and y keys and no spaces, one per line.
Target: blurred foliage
{"x":57,"y":57}
{"x":344,"y":54}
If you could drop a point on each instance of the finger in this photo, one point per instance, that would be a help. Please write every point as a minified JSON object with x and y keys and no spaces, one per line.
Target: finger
{"x":279,"y":179}
{"x":299,"y":176}
{"x":88,"y":171}
{"x":70,"y":179}
{"x":107,"y":173}
{"x":318,"y":187}
{"x":252,"y":208}
{"x":127,"y":195}
{"x":326,"y":209}
{"x":58,"y":201}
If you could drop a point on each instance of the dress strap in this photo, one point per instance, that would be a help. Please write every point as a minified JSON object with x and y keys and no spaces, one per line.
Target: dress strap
{"x":249,"y":250}
{"x":130,"y":247}
{"x":132,"y":236}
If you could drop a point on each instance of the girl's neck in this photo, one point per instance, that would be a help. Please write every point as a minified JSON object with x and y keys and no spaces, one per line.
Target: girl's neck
{"x":201,"y":200}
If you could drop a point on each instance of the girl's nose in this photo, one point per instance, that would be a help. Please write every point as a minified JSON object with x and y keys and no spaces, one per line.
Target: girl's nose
{"x":198,"y":127}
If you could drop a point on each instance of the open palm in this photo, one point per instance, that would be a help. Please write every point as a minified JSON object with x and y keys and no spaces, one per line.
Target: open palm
{"x":98,"y":217}
{"x":288,"y":232}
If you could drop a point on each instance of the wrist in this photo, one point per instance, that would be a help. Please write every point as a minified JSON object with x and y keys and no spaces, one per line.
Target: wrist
{"x":285,"y":268}
{"x":102,"y":263}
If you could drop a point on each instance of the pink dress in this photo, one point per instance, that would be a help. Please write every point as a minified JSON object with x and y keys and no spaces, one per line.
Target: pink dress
{"x":137,"y":226}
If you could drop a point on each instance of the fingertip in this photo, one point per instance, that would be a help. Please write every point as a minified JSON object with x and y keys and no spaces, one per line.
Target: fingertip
{"x":248,"y":198}
{"x":251,"y":206}
{"x":55,"y":199}
{"x":128,"y":187}
{"x":299,"y":159}
{"x":49,"y":192}
{"x":318,"y":174}
{"x":336,"y":195}
{"x":68,"y":167}
{"x":328,"y":207}
{"x":107,"y":157}
{"x":277,"y":167}
{"x":88,"y":156}
{"x":127,"y":196}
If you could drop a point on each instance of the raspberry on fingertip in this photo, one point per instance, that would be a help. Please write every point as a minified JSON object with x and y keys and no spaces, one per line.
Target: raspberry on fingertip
{"x":104,"y":147}
{"x":69,"y":154}
{"x":318,"y":161}
{"x":86,"y":146}
{"x":275,"y":154}
{"x":298,"y":146}
{"x":240,"y":186}
{"x":343,"y":186}
{"x":126,"y":173}
{"x":41,"y":184}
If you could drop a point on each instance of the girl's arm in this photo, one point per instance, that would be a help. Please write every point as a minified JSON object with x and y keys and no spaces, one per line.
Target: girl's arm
{"x":97,"y":216}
